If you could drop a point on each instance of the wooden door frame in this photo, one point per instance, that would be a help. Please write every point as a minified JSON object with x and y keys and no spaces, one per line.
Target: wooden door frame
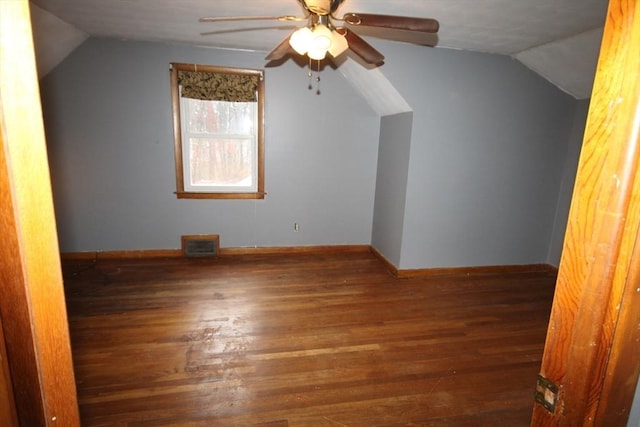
{"x":8,"y":412}
{"x":32,"y":304}
{"x":591,"y":352}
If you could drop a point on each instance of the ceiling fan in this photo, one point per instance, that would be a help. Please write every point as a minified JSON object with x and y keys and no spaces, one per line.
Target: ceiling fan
{"x":321,"y":36}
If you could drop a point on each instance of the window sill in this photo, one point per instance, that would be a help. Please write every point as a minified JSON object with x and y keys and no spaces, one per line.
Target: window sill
{"x":192,"y":195}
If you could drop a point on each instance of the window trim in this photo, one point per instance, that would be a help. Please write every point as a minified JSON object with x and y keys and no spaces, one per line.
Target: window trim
{"x":180,"y":192}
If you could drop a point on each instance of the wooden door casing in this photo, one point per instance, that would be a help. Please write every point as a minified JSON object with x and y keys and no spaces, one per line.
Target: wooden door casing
{"x":32,"y":304}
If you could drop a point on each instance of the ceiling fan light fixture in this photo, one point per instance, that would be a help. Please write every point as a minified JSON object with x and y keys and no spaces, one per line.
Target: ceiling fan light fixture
{"x":301,"y":40}
{"x":321,"y":38}
{"x":339,"y":44}
{"x":318,"y":41}
{"x":317,"y":54}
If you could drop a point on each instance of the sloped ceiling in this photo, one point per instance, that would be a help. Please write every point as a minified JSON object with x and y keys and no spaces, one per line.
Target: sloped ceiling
{"x":54,"y":39}
{"x":559,"y":39}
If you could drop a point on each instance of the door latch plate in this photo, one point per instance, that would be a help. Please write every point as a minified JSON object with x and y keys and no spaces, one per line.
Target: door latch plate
{"x":546,"y":394}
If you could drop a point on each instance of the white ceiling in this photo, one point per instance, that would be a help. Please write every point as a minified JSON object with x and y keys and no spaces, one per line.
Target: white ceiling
{"x":559,"y":39}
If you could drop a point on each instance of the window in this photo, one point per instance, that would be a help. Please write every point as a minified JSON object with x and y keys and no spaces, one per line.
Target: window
{"x":218,"y":132}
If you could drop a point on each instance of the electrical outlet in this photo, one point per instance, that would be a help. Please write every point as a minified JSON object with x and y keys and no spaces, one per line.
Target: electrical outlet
{"x":296,"y":227}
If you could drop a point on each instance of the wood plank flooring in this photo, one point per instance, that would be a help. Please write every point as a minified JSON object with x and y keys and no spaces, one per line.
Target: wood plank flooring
{"x":302,"y":340}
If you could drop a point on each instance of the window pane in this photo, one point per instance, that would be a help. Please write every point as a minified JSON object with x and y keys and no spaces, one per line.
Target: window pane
{"x":221,"y":117}
{"x":223,"y":162}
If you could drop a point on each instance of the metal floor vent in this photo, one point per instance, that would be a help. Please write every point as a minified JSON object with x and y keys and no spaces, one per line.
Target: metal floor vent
{"x":201,"y":245}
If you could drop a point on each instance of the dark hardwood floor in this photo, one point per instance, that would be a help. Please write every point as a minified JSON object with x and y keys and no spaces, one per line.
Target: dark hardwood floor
{"x":302,"y":340}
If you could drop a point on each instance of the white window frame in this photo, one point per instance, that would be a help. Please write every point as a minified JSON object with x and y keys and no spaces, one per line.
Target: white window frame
{"x":187,"y":137}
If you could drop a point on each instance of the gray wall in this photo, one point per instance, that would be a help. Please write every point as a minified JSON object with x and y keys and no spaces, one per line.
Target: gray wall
{"x":488,"y":148}
{"x":634,"y":415}
{"x":107,"y":112}
{"x":391,"y":187}
{"x":568,"y":179}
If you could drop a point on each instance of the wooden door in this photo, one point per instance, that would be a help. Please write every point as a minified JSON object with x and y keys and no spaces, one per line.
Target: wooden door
{"x":592,"y":356}
{"x":32,"y":305}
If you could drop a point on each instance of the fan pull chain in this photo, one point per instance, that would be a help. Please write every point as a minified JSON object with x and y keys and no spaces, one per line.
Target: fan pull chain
{"x":310,"y":75}
{"x":318,"y":79}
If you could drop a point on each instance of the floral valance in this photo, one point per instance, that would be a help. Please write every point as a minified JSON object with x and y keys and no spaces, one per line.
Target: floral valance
{"x":209,"y":86}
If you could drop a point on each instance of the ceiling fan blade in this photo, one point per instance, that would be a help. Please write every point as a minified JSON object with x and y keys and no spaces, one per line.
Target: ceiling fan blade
{"x":252,"y":18}
{"x":280,"y":51}
{"x":423,"y":25}
{"x":363,"y":49}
